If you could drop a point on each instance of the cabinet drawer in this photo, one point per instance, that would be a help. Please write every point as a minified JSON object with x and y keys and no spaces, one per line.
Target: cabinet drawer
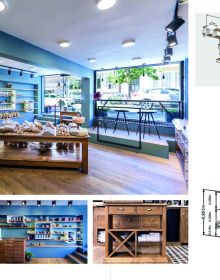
{"x":151,"y":222}
{"x":121,"y":222}
{"x":150,"y":210}
{"x":122,"y":209}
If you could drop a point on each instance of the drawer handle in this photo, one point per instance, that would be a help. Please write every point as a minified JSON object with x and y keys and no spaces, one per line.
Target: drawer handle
{"x":120,"y":209}
{"x":149,"y":209}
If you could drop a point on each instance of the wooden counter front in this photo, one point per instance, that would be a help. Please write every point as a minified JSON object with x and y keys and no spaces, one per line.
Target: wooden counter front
{"x":12,"y":250}
{"x":78,"y":158}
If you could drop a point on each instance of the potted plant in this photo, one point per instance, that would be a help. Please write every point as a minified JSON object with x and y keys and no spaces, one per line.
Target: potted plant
{"x":29,"y":256}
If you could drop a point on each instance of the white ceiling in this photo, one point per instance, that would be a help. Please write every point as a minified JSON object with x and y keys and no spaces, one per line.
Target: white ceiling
{"x":95,"y":33}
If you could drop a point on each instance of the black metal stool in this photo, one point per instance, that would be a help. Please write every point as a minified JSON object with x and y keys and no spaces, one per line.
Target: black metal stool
{"x":146,"y":116}
{"x":117,"y":118}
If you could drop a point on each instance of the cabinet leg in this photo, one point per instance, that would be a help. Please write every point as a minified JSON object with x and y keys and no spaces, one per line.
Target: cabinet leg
{"x":85,"y":157}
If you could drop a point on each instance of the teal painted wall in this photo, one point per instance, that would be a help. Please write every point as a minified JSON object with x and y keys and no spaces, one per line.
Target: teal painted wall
{"x":20,"y":50}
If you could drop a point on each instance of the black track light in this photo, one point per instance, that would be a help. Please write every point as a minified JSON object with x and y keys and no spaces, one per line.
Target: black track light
{"x":171,"y":39}
{"x":32,"y":75}
{"x":8,"y":203}
{"x":38,"y":203}
{"x":175,"y":24}
{"x":24,"y":202}
{"x":166,"y":58}
{"x":168,"y":51}
{"x":21,"y":73}
{"x":54,"y":203}
{"x":70,"y":203}
{"x":9,"y":71}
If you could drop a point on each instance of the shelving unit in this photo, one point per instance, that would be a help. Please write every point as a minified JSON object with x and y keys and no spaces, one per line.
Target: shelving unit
{"x":25,"y":99}
{"x":127,"y":225}
{"x":44,"y":232}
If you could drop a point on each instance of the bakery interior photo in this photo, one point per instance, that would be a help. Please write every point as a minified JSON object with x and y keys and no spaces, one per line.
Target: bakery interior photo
{"x":96,"y":101}
{"x":43,"y":231}
{"x":144,"y":231}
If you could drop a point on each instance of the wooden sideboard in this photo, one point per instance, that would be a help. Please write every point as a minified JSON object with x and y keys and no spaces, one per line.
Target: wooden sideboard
{"x":12,"y":250}
{"x":125,"y":227}
{"x":99,"y":225}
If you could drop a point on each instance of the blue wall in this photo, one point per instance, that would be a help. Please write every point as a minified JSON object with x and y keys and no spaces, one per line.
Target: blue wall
{"x":45,"y":210}
{"x":24,"y":82}
{"x":19,"y":50}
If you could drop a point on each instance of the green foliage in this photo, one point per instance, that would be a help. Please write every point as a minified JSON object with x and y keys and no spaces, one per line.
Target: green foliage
{"x":129,"y":75}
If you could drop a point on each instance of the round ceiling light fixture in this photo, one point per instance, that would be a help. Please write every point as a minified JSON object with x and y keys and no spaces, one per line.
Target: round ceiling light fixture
{"x":91,"y":60}
{"x":128,"y":43}
{"x":64,"y":44}
{"x":105,"y":4}
{"x":2,"y":6}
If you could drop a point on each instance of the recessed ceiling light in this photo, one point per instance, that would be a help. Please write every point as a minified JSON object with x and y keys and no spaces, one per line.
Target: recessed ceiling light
{"x":2,"y":6}
{"x":64,"y":44}
{"x":92,"y":60}
{"x":128,"y":43}
{"x":105,"y":4}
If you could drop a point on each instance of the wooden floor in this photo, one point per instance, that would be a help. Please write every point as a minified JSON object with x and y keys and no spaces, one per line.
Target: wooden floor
{"x":111,"y":171}
{"x":50,"y":261}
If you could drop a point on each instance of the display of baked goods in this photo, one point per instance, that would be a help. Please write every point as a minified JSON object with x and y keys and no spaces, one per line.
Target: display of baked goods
{"x":9,"y":126}
{"x":7,"y":115}
{"x":49,"y":129}
{"x":78,"y":120}
{"x":30,"y":127}
{"x":62,"y":130}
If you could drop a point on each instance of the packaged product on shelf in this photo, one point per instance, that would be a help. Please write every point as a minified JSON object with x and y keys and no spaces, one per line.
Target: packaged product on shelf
{"x":41,"y":147}
{"x":62,"y":130}
{"x":38,"y":124}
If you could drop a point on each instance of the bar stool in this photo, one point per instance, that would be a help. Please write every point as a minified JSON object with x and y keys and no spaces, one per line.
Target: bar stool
{"x":146,"y":115}
{"x":117,"y":118}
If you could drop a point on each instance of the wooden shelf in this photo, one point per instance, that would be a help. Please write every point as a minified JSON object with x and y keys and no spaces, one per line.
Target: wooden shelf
{"x":138,"y":230}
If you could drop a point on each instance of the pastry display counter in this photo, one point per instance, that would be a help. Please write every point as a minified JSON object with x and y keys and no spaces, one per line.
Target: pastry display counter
{"x":12,"y":250}
{"x":69,"y":158}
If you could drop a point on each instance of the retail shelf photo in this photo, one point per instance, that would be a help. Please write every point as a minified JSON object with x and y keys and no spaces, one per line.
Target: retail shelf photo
{"x":48,"y":229}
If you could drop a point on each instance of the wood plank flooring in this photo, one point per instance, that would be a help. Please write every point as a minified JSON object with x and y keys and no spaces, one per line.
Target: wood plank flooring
{"x":50,"y":261}
{"x":111,"y":172}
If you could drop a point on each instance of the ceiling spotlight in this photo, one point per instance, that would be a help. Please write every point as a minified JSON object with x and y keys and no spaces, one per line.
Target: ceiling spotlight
{"x":38,"y":203}
{"x":168,"y":51}
{"x":70,"y":203}
{"x":175,"y":24}
{"x":64,"y":44}
{"x":24,"y":202}
{"x":136,"y":58}
{"x":171,"y":39}
{"x":182,"y":2}
{"x":105,"y":4}
{"x":128,"y":43}
{"x":54,"y":203}
{"x":9,"y":71}
{"x":218,"y":60}
{"x":21,"y":73}
{"x":2,"y":6}
{"x":32,"y":75}
{"x":8,"y":203}
{"x":166,"y":58}
{"x":91,"y":60}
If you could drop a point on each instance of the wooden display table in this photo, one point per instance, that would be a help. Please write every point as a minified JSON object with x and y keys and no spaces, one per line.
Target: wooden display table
{"x":15,"y":156}
{"x":125,"y":226}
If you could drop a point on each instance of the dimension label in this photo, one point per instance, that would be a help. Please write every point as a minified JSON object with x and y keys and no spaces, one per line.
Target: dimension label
{"x":210,"y":212}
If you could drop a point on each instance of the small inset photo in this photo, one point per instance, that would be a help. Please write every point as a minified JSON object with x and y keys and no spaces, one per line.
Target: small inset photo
{"x":141,"y":231}
{"x":43,"y":231}
{"x":207,"y":49}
